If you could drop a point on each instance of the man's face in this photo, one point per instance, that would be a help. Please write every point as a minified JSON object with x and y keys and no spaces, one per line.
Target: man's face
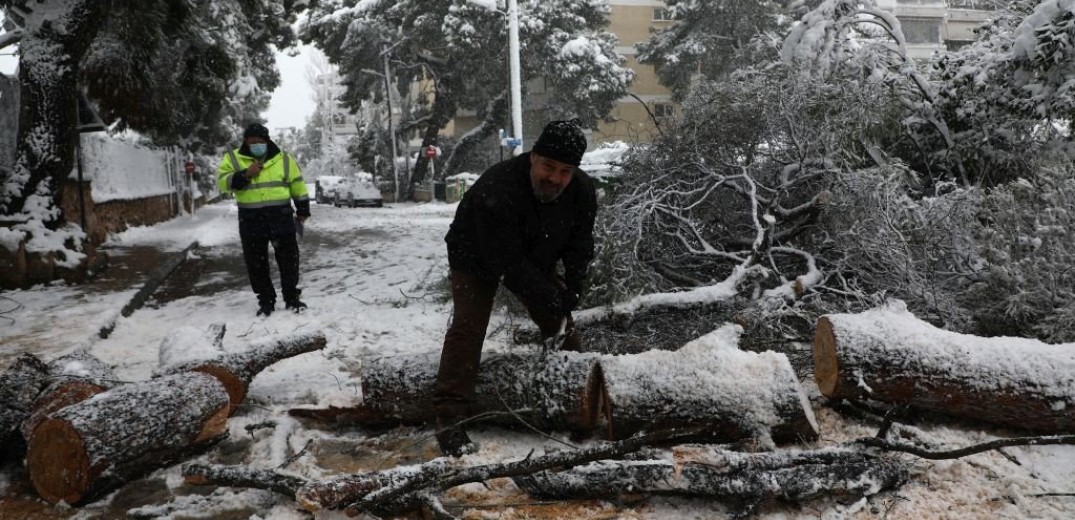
{"x":549,"y":177}
{"x":255,"y":140}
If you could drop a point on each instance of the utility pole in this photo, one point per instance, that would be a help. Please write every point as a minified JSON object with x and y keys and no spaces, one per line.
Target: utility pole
{"x":391,"y":126}
{"x":516,"y":82}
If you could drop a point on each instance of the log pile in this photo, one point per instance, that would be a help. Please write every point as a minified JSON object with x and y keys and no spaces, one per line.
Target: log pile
{"x":888,"y":355}
{"x":85,"y":433}
{"x":702,"y":384}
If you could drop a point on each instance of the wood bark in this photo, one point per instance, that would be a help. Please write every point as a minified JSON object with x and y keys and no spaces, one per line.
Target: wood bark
{"x":74,"y":378}
{"x":236,"y":371}
{"x":20,"y":385}
{"x":709,"y":382}
{"x":396,"y":490}
{"x":92,"y":447}
{"x":239,"y":476}
{"x":795,"y":482}
{"x":889,"y":355}
{"x":559,"y":391}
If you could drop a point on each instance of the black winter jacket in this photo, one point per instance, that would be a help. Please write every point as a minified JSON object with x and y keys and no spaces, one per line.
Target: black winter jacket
{"x":501,"y":229}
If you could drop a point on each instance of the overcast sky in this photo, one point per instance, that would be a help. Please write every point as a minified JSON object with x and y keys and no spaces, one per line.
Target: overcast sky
{"x":293,"y":101}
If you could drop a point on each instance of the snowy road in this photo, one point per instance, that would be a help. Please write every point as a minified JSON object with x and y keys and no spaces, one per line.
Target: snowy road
{"x":371,"y":278}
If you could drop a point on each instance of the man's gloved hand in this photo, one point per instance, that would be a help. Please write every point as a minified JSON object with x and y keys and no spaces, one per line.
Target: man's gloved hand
{"x":568,"y":300}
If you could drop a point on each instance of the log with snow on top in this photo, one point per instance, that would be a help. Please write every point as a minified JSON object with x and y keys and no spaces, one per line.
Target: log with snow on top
{"x":709,"y":382}
{"x":74,"y":378}
{"x":92,"y":447}
{"x":745,"y":477}
{"x":20,"y":386}
{"x":557,"y":391}
{"x":888,"y":355}
{"x":192,"y":350}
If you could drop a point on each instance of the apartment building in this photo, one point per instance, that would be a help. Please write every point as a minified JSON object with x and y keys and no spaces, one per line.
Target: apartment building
{"x":932,"y":25}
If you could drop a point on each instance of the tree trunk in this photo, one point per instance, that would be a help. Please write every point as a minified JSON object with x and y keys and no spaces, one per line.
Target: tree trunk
{"x":20,"y":385}
{"x":236,"y":371}
{"x":496,"y":114}
{"x":49,"y":53}
{"x":794,"y":481}
{"x":75,"y":378}
{"x":95,"y":446}
{"x":891,"y":356}
{"x":442,"y":112}
{"x":561,"y":391}
{"x":709,"y":382}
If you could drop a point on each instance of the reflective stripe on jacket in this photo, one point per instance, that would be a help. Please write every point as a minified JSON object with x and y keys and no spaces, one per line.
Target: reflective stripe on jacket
{"x":279,"y":182}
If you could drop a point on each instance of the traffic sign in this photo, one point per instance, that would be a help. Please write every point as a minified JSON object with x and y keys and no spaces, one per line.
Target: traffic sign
{"x":431,"y":151}
{"x":189,"y":167}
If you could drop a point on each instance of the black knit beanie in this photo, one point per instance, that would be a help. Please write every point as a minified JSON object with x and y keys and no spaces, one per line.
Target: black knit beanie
{"x":562,"y":141}
{"x":256,"y":130}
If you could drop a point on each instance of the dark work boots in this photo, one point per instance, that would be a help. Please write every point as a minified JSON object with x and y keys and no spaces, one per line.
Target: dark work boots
{"x":453,"y":440}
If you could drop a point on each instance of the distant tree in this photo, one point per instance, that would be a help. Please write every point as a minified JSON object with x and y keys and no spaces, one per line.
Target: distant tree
{"x":706,"y":39}
{"x":459,"y":48}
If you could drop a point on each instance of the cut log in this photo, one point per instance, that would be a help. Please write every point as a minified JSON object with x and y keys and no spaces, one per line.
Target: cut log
{"x":888,"y":355}
{"x":794,"y":481}
{"x":236,"y":371}
{"x":75,"y":377}
{"x":92,"y":447}
{"x":559,"y":391}
{"x":20,"y":385}
{"x":709,"y":382}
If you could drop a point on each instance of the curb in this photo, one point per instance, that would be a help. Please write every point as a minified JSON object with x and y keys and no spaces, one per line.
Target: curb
{"x":155,"y":280}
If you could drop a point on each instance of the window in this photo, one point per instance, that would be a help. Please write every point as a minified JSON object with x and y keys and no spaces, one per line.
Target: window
{"x":663,"y":15}
{"x":663,"y":110}
{"x":921,"y":30}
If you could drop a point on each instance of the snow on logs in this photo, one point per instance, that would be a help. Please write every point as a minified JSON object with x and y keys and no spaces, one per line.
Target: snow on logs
{"x":561,"y":391}
{"x":709,"y":382}
{"x":74,"y":378}
{"x":194,"y":350}
{"x":20,"y":385}
{"x":91,"y":447}
{"x":888,"y":355}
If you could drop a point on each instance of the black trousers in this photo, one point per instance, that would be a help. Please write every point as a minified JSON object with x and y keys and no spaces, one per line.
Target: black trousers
{"x":259,"y":228}
{"x":472,"y":300}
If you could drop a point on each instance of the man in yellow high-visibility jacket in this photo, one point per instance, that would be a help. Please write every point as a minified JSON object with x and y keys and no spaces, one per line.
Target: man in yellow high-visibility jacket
{"x":265,"y":181}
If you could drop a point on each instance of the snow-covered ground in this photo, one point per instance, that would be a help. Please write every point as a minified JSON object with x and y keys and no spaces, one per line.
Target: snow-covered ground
{"x":371,"y":278}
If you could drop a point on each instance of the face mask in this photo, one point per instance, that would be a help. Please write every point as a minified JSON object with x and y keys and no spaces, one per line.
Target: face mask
{"x":259,"y":149}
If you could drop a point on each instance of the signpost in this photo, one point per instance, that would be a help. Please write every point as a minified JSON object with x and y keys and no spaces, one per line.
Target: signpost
{"x":431,"y":153}
{"x":189,"y":168}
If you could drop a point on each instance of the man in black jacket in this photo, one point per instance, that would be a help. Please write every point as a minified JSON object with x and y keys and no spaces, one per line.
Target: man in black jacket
{"x":519,"y":219}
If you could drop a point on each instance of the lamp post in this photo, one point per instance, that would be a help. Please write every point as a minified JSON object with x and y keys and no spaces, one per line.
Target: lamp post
{"x":516,"y":81}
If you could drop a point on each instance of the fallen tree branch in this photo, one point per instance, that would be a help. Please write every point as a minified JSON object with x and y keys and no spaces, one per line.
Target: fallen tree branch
{"x":1046,"y":440}
{"x":241,"y":476}
{"x":392,"y":491}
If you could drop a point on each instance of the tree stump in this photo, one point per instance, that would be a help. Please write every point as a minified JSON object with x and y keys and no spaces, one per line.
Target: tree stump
{"x":888,"y":355}
{"x":709,"y":382}
{"x":94,"y":446}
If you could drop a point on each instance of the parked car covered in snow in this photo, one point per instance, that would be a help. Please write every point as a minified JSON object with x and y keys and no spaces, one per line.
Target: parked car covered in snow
{"x":351,"y":190}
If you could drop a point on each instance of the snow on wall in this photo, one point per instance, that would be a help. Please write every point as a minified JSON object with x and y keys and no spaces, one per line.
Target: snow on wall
{"x":123,"y":171}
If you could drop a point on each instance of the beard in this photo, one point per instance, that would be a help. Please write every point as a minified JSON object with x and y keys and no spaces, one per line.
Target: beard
{"x":546,"y":193}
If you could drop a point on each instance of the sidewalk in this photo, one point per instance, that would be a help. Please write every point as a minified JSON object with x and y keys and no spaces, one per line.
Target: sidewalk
{"x":50,"y":319}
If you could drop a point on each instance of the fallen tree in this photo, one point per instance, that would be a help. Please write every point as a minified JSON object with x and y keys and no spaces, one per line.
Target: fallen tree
{"x":795,"y":477}
{"x":888,"y":355}
{"x":235,"y":371}
{"x":710,"y":383}
{"x":90,"y":448}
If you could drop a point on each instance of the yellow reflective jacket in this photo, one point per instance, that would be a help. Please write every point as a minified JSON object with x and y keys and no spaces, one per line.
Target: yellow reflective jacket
{"x":279,"y":182}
